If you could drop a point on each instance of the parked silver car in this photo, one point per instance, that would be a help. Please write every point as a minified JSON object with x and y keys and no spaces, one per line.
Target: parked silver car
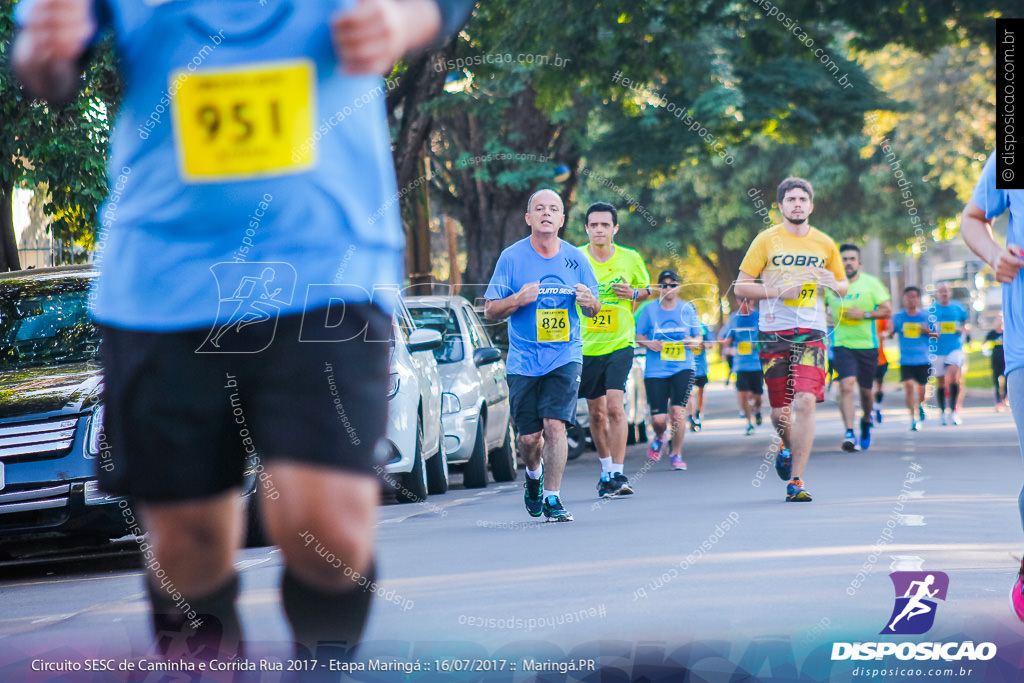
{"x":475,"y":403}
{"x":635,"y":399}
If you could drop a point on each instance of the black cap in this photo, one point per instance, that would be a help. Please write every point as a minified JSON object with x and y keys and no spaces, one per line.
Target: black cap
{"x":670,"y":274}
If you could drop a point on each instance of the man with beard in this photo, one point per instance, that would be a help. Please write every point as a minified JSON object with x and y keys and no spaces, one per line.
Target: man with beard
{"x":856,"y":342}
{"x":794,"y":263}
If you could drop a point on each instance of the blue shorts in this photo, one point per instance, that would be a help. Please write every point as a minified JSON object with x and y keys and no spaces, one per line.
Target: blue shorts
{"x":550,"y":396}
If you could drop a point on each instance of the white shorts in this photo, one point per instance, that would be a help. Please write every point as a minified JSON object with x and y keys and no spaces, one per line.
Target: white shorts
{"x":956,"y":358}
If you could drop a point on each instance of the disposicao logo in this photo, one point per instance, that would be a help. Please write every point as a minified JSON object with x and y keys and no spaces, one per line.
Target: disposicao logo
{"x":916,"y":595}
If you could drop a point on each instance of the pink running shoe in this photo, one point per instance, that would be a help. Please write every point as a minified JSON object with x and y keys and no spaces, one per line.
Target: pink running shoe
{"x":1017,"y":594}
{"x":654,"y":453}
{"x":677,"y":462}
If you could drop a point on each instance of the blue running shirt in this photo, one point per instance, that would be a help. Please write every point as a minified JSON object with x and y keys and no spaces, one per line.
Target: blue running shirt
{"x":995,"y":202}
{"x":672,"y":326}
{"x":947,"y":320}
{"x":744,"y":331}
{"x":543,"y":335}
{"x":913,"y":335}
{"x":241,"y":152}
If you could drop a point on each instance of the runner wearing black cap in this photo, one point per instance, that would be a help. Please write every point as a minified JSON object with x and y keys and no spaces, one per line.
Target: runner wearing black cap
{"x":669,"y":331}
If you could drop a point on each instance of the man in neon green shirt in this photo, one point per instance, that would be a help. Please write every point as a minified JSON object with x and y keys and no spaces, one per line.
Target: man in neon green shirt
{"x":856,"y":342}
{"x":608,"y":342}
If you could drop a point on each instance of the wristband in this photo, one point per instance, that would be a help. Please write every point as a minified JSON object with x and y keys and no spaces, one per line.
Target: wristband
{"x":636,"y":294}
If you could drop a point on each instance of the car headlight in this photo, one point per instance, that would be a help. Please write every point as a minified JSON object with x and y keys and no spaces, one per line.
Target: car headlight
{"x":450,"y":403}
{"x":392,"y":385}
{"x":95,"y":431}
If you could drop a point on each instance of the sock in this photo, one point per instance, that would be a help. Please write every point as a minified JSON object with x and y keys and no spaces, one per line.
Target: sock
{"x":941,"y":393}
{"x":547,"y":492}
{"x":534,"y":474}
{"x":617,"y":468}
{"x":213,"y":630}
{"x":318,"y":616}
{"x":954,"y":393}
{"x":606,"y":464}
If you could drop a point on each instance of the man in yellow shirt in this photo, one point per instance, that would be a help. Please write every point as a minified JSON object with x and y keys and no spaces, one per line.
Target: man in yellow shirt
{"x":608,"y":342}
{"x":795,"y":263}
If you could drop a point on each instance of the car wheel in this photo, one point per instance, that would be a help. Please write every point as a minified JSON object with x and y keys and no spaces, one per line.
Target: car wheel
{"x":576,"y":437}
{"x":503,"y":460}
{"x":412,"y":485}
{"x":254,"y":536}
{"x":437,"y":467}
{"x":474,"y":474}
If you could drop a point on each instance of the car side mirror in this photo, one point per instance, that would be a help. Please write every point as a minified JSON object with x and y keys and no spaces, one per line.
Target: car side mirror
{"x":424,"y":340}
{"x":486,"y":356}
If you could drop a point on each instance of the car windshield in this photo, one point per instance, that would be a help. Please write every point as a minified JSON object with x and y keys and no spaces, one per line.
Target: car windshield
{"x":46,"y":323}
{"x":444,"y":321}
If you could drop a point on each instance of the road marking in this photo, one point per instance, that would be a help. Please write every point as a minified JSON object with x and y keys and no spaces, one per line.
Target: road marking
{"x":906,"y":563}
{"x":911,"y":520}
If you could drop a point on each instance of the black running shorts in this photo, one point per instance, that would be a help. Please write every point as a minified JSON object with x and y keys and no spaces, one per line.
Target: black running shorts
{"x":181,"y":424}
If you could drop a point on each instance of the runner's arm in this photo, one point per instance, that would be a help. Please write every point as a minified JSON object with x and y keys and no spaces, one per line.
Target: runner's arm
{"x":882,"y":312}
{"x":976,"y":229}
{"x":499,"y":309}
{"x":50,"y":46}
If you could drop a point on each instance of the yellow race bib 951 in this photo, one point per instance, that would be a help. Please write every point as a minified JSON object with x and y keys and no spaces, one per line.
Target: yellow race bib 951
{"x":948,"y":327}
{"x":673,"y":351}
{"x":808,"y":296}
{"x":911,"y":330}
{"x":245,"y":122}
{"x":552,"y":325}
{"x":604,"y":321}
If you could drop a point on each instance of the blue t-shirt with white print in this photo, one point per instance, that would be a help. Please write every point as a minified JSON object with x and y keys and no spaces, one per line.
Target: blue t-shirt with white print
{"x":545,"y":334}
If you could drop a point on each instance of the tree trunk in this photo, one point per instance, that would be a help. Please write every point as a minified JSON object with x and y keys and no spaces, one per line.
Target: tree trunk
{"x":8,"y":244}
{"x":452,"y":244}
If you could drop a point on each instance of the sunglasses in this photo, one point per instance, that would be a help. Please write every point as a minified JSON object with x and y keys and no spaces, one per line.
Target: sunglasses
{"x":668,"y":285}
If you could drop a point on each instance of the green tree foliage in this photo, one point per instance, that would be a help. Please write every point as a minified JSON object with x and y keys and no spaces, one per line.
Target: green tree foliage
{"x":63,"y":146}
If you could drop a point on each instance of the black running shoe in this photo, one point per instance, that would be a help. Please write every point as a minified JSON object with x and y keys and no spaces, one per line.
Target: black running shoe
{"x":532,"y":497}
{"x":758,"y":419}
{"x":554,"y":510}
{"x":624,"y":488}
{"x":606,"y":486}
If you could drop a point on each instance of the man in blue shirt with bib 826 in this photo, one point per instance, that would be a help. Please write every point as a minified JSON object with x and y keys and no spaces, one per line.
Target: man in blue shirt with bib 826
{"x":537,"y":283}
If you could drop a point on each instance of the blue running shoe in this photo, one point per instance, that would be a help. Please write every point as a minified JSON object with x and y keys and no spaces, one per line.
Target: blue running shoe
{"x":920,"y":413}
{"x":878,"y":416}
{"x":532,"y":497}
{"x":865,"y":435}
{"x":849,"y":442}
{"x":784,"y":464}
{"x":554,"y":510}
{"x":796,"y":493}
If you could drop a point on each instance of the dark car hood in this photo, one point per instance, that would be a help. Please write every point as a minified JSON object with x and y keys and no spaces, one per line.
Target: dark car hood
{"x":62,"y":388}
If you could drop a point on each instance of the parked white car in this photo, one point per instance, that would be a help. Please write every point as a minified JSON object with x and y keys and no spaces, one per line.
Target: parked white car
{"x":417,"y":462}
{"x":475,"y":404}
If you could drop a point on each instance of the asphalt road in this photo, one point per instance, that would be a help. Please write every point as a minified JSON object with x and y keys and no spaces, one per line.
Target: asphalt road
{"x":708,"y":569}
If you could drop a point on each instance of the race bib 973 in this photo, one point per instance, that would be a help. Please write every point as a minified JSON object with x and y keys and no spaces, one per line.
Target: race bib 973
{"x":552,"y":325}
{"x":245,"y":122}
{"x":807,"y":297}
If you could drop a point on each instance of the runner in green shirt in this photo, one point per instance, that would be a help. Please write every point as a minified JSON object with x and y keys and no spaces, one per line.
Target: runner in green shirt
{"x":856,"y":342}
{"x":608,"y":342}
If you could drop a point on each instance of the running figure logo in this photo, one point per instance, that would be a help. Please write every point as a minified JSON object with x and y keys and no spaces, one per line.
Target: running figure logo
{"x":916,"y":595}
{"x":256,"y":294}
